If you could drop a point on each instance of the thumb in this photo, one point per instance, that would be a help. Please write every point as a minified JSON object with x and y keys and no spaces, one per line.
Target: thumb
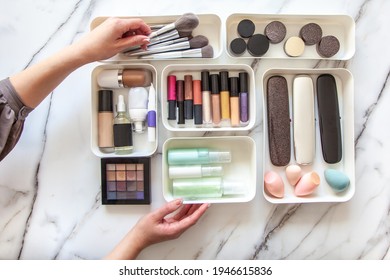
{"x":168,"y":208}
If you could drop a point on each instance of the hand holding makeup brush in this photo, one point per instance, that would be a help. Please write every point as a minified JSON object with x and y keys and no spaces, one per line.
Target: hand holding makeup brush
{"x":165,"y":223}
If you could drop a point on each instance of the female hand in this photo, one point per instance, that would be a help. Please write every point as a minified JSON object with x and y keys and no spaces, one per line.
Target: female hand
{"x":158,"y":226}
{"x":111,"y":37}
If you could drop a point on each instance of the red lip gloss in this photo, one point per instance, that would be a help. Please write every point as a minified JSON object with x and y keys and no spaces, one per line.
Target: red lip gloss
{"x":171,"y":97}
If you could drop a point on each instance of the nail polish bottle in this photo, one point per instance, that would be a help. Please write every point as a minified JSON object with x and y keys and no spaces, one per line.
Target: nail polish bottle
{"x":123,"y":138}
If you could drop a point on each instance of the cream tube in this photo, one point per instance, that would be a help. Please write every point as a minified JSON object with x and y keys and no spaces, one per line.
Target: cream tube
{"x":138,"y":108}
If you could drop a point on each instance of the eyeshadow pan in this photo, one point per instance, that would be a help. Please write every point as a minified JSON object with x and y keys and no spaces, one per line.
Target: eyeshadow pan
{"x":111,"y":175}
{"x":140,"y":186}
{"x":110,"y":167}
{"x":140,"y":167}
{"x":111,"y":186}
{"x":140,"y":175}
{"x":131,"y":175}
{"x":121,"y":175}
{"x":131,"y":186}
{"x":125,"y":180}
{"x":131,"y":166}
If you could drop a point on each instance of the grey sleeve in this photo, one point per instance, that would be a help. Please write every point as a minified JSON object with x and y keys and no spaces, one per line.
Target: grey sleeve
{"x":12,"y":116}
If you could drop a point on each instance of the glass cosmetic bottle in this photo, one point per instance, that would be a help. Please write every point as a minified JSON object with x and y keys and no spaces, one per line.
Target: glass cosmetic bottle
{"x":123,"y":138}
{"x":212,"y":187}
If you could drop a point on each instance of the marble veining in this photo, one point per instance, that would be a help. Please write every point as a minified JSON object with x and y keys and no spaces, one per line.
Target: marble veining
{"x":50,"y":204}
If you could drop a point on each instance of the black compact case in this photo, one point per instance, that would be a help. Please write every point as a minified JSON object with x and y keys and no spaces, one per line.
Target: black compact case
{"x":125,"y":180}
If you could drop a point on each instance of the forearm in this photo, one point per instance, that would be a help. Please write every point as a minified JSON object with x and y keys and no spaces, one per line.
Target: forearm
{"x":128,"y":249}
{"x":36,"y":82}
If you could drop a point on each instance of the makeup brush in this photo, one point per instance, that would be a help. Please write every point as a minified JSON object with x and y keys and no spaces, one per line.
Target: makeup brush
{"x":199,"y":41}
{"x":174,"y":34}
{"x":205,"y":52}
{"x":187,"y":22}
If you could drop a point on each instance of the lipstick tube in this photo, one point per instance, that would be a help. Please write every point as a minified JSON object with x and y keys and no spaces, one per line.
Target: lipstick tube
{"x":244,"y":97}
{"x":198,"y":114}
{"x":188,"y":98}
{"x":180,"y":101}
{"x":225,"y":104}
{"x":171,"y":90}
{"x":215,"y":99}
{"x":206,"y":97}
{"x":234,"y":102}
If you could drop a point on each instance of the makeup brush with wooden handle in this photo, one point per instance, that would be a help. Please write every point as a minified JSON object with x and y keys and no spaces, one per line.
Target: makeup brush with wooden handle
{"x":205,"y":52}
{"x":198,"y":41}
{"x":187,"y":22}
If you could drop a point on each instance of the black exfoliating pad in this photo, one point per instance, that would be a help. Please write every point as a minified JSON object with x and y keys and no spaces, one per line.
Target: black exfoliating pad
{"x":329,"y":118}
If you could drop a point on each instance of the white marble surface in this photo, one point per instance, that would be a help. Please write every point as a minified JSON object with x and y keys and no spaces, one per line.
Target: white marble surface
{"x":50,"y":204}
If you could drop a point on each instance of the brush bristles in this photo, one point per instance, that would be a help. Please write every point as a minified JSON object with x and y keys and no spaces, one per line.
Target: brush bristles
{"x":187,"y":22}
{"x":198,"y":41}
{"x":207,"y":51}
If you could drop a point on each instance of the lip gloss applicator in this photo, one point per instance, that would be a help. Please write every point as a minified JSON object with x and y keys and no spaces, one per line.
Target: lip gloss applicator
{"x":206,"y":98}
{"x":180,"y":101}
{"x":215,"y":99}
{"x":152,"y":114}
{"x":171,"y":97}
{"x":198,"y":114}
{"x":188,"y":98}
{"x":244,"y":115}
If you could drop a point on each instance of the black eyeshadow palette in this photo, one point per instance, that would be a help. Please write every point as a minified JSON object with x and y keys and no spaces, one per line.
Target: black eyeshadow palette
{"x":125,"y":180}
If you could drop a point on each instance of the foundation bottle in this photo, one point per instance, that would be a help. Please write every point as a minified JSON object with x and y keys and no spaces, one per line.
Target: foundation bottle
{"x":105,"y":121}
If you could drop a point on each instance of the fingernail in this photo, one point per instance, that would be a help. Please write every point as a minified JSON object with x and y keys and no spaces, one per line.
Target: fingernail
{"x":146,"y":40}
{"x":179,"y":201}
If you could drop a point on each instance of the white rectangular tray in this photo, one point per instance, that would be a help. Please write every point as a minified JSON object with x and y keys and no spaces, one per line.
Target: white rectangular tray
{"x":341,"y":26}
{"x":242,"y":167}
{"x":209,"y":26}
{"x":179,"y":70}
{"x":140,"y":141}
{"x":323,"y":193}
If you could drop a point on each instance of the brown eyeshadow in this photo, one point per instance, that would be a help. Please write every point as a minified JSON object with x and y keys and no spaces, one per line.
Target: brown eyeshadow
{"x":278,"y":121}
{"x":311,"y":33}
{"x":328,"y":46}
{"x":275,"y":31}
